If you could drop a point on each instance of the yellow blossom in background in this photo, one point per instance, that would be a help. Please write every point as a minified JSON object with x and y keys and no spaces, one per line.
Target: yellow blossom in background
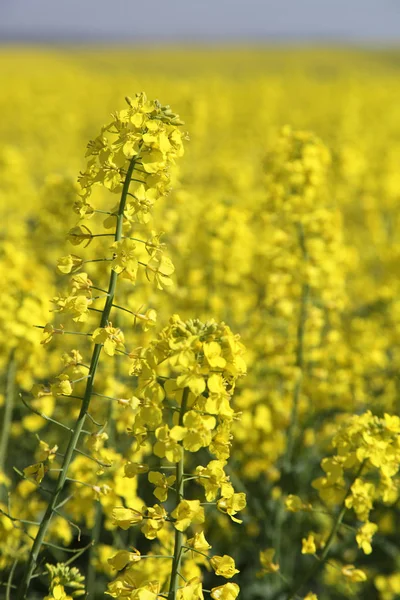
{"x":308,"y":545}
{"x":388,"y":586}
{"x":352,"y":574}
{"x":364,"y":536}
{"x":266,"y":560}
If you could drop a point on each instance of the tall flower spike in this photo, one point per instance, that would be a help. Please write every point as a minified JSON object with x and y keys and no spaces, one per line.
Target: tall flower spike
{"x":131,"y":157}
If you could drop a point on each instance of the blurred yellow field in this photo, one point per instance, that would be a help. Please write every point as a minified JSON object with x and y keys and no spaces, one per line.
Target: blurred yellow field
{"x":139,"y":455}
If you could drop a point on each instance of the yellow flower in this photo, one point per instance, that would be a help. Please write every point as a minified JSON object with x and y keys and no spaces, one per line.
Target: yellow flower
{"x":266,"y":557}
{"x":158,"y":269}
{"x":44,"y":452}
{"x":388,"y":586}
{"x":123,"y":558}
{"x":133,"y":403}
{"x":228,"y":591}
{"x":153,"y":161}
{"x":308,"y":545}
{"x":69,"y":264}
{"x":392,"y":423}
{"x":212,"y":352}
{"x":35,"y":472}
{"x":294,"y":503}
{"x":148,"y":319}
{"x":198,"y":542}
{"x":48,"y":333}
{"x":162,"y":484}
{"x":111,"y":337}
{"x":80,"y":234}
{"x":364,"y":536}
{"x":224,"y":566}
{"x":133,"y":469}
{"x":125,"y":261}
{"x":58,"y":593}
{"x":213,"y":478}
{"x":126,"y":517}
{"x":221,"y":442}
{"x":352,"y":574}
{"x":193,"y":380}
{"x":63,"y":387}
{"x":232,"y":504}
{"x":192,"y":590}
{"x":154,"y":521}
{"x":95,"y":441}
{"x":167,"y":443}
{"x":198,"y":430}
{"x":361,"y":498}
{"x":186,"y":513}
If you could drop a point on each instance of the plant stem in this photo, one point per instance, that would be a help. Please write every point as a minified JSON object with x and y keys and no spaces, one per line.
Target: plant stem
{"x":180,"y":484}
{"x":91,"y":575}
{"x":8,"y":408}
{"x":305,"y":295}
{"x":10,"y":578}
{"x":33,"y":557}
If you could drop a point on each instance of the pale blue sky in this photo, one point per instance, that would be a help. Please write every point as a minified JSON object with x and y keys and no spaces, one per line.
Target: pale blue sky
{"x":348,"y":20}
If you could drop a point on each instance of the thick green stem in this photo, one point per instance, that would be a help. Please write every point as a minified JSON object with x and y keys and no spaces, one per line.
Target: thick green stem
{"x":8,"y":408}
{"x":305,"y":295}
{"x":178,"y":546}
{"x":291,"y":436}
{"x":91,"y":574}
{"x":33,"y":557}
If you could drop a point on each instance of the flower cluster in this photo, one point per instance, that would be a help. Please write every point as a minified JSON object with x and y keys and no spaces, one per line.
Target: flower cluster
{"x":369,"y":447}
{"x":186,"y":378}
{"x":147,"y":132}
{"x":361,"y":475}
{"x":61,"y":577}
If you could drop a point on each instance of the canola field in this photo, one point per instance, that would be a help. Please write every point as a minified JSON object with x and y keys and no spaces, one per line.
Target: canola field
{"x":200,"y":340}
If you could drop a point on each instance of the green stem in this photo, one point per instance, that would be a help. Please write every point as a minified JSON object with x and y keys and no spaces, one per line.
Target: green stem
{"x":8,"y":408}
{"x":91,"y":575}
{"x":305,"y":295}
{"x":180,"y":484}
{"x":10,"y":578}
{"x":33,"y":557}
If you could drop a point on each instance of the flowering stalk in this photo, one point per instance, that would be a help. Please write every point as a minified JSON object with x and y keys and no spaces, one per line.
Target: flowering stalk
{"x":367,"y":449}
{"x":77,"y":430}
{"x":145,"y":134}
{"x":198,"y":364}
{"x":180,"y":486}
